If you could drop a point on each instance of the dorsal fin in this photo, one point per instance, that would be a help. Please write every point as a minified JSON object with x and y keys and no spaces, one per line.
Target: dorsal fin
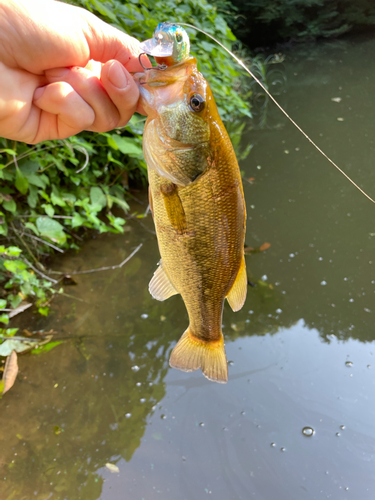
{"x":160,"y":286}
{"x":237,"y":295}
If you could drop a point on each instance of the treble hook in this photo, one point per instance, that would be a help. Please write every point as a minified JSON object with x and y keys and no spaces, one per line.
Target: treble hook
{"x":161,"y":67}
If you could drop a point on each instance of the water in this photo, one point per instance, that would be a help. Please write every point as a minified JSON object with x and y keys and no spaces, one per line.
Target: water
{"x":108,"y":396}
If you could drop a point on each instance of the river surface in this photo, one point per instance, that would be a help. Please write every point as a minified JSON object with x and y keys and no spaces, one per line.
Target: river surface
{"x":296,"y":420}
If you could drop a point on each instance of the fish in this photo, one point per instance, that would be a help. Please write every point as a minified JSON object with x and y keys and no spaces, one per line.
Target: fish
{"x":196,"y":198}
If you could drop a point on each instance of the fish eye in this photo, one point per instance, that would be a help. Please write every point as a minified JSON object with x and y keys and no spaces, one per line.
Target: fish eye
{"x":179,"y":37}
{"x":196,"y":102}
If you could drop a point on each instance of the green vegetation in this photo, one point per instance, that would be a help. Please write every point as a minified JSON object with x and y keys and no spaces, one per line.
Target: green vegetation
{"x":264,"y":22}
{"x":54,"y":193}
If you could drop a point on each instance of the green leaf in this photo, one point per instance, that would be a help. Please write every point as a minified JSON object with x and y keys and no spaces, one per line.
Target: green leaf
{"x":3,"y":303}
{"x":9,"y":152}
{"x":78,"y":220}
{"x":31,"y":225}
{"x":4,"y":318}
{"x":22,"y":184}
{"x":121,"y":203}
{"x":15,"y":266}
{"x":8,"y":346}
{"x":103,"y":10}
{"x":56,"y":198}
{"x":11,"y":206}
{"x":49,"y":209}
{"x":32,"y":199}
{"x":126,"y":145}
{"x":14,"y":300}
{"x":29,"y":168}
{"x":43,"y":310}
{"x":98,"y":198}
{"x":46,"y":347}
{"x":51,"y":229}
{"x":37,"y":180}
{"x":13,"y":251}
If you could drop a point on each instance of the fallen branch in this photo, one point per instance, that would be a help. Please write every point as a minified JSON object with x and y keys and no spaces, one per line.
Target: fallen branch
{"x":107,"y":268}
{"x":39,"y":272}
{"x":44,"y":241}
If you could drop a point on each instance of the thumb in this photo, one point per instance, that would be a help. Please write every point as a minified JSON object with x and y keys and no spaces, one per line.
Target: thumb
{"x":106,"y":42}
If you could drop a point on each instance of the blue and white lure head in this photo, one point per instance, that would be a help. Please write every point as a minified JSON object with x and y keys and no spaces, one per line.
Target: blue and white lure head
{"x":169,"y":41}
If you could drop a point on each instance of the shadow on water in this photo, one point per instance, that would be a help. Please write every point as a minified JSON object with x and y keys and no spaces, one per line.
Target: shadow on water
{"x":301,"y":352}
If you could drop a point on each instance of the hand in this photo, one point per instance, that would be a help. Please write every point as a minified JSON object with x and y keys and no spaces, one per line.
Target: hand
{"x":62,"y":70}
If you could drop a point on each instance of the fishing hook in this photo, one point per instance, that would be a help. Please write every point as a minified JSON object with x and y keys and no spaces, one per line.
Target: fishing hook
{"x":160,"y":67}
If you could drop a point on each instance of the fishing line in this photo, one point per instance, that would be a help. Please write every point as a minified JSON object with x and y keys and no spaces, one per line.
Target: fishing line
{"x":280,"y":108}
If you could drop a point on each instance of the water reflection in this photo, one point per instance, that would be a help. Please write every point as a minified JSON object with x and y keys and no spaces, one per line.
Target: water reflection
{"x":300,"y":351}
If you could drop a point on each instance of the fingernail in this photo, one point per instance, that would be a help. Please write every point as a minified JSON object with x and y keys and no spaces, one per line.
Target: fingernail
{"x":117,"y":75}
{"x":57,"y":72}
{"x":38,"y":93}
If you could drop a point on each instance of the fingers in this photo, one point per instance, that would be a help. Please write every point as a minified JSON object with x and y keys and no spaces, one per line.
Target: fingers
{"x":121,"y":89}
{"x":63,"y":112}
{"x":108,"y":89}
{"x":106,"y":43}
{"x":87,"y":85}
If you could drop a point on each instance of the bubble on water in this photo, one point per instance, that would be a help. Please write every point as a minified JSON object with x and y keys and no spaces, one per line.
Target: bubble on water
{"x":279,"y":311}
{"x":291,"y":255}
{"x":201,"y":424}
{"x":282,"y":449}
{"x":367,"y":310}
{"x":264,"y":277}
{"x":135,"y":368}
{"x":138,"y":384}
{"x":349,"y":364}
{"x":258,"y":426}
{"x":259,"y":167}
{"x":144,"y":316}
{"x":338,"y":434}
{"x":308,"y":431}
{"x":320,"y":258}
{"x":342,"y":427}
{"x":243,"y":412}
{"x":323,"y":283}
{"x":225,"y":429}
{"x":163,"y":417}
{"x":368,"y":366}
{"x":351,"y":300}
{"x":128,"y":415}
{"x":273,"y":445}
{"x":230,"y":363}
{"x":251,"y":312}
{"x":142,"y":400}
{"x":346,"y":489}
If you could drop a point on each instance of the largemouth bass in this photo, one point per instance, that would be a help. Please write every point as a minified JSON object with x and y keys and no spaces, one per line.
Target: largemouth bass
{"x":197,"y":201}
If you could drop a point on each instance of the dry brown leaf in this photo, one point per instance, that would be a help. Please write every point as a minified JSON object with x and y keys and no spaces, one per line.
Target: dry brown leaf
{"x":264,"y":246}
{"x":10,"y":372}
{"x":22,"y":307}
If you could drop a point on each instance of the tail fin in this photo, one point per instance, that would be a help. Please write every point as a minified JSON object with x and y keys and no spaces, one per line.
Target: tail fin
{"x":192,"y":353}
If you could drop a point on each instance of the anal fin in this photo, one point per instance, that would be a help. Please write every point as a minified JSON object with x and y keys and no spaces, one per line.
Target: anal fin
{"x":237,"y":295}
{"x":160,"y":286}
{"x":191,"y":353}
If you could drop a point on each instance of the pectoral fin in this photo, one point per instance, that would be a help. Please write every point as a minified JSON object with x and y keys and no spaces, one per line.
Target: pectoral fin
{"x":150,"y":200}
{"x":237,"y":295}
{"x":160,"y":286}
{"x":173,"y":205}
